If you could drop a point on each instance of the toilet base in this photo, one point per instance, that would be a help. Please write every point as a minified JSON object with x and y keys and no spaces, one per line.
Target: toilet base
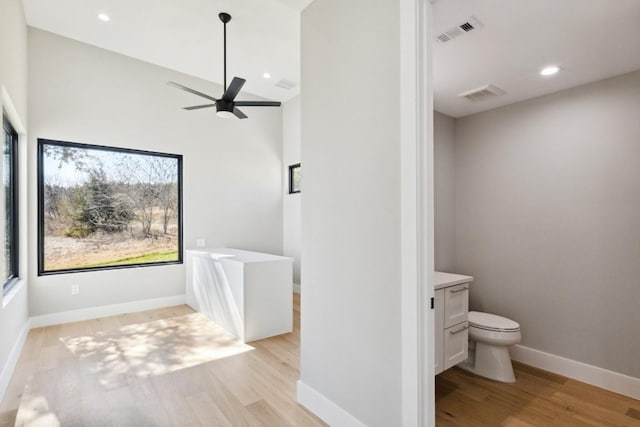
{"x":490,"y":361}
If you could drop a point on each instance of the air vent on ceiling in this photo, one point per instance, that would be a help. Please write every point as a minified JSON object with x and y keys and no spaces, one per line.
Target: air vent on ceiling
{"x":463,"y":28}
{"x":482,"y":93}
{"x":286,"y":84}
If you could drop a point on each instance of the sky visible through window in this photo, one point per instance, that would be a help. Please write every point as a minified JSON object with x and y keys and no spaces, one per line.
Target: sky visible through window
{"x":107,"y":208}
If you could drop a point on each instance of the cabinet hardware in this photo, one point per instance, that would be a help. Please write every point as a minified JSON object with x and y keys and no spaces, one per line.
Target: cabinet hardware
{"x":432,"y":303}
{"x":455,"y":291}
{"x":464,"y":328}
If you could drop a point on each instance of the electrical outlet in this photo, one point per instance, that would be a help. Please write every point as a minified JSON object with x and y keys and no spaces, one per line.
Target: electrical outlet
{"x":201,"y":243}
{"x":75,"y":289}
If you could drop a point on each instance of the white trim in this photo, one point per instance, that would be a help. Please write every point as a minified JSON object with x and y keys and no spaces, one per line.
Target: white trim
{"x":416,"y":194}
{"x":296,"y":288}
{"x":13,"y":291}
{"x":9,"y":109}
{"x":105,"y":311}
{"x":75,"y":316}
{"x":12,"y":360}
{"x":428,"y":401}
{"x":603,"y":378}
{"x":324,"y":408}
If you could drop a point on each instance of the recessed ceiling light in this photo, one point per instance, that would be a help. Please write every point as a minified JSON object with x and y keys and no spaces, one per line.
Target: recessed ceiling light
{"x":104,"y":17}
{"x":266,"y":76}
{"x":550,"y":70}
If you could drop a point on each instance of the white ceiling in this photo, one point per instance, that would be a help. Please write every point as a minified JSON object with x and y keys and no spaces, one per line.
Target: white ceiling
{"x":186,"y":35}
{"x":589,"y":39}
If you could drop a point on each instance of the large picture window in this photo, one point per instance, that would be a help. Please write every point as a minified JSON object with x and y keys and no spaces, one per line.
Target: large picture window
{"x":10,"y":261}
{"x":102,"y":207}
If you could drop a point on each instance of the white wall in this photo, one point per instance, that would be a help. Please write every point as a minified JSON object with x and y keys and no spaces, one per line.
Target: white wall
{"x":548,"y":219}
{"x":13,"y":47}
{"x":444,"y":191}
{"x":351,"y":220}
{"x":13,"y":87}
{"x":232,"y":168}
{"x":291,"y":208}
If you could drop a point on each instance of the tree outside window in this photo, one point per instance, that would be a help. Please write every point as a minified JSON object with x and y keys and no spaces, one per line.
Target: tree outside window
{"x":103,"y":207}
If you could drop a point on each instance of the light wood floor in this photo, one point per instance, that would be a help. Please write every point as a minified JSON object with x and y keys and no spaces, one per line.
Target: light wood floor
{"x":538,"y":398}
{"x":171,"y":367}
{"x":166,"y":367}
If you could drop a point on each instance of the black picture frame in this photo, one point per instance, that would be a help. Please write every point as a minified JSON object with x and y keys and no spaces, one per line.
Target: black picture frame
{"x":294,"y":185}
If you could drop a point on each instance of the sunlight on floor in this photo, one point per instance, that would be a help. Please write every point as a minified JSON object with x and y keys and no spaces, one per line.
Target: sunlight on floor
{"x":153,"y":348}
{"x":34,"y":412}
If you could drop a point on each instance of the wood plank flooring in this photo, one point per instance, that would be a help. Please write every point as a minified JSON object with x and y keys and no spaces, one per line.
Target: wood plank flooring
{"x":166,"y":367}
{"x":538,"y":398}
{"x":171,"y":367}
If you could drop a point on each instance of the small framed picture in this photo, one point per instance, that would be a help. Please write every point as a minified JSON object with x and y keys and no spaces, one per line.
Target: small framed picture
{"x":295,"y":175}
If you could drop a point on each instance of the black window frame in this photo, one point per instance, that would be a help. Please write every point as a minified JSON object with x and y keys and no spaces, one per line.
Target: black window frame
{"x":41,"y":143}
{"x":291,"y":172}
{"x":14,"y":264}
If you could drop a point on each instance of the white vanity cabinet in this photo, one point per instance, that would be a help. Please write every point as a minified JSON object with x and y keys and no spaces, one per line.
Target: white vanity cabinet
{"x":451,"y":308}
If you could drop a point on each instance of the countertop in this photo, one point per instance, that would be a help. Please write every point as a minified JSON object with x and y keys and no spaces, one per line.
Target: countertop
{"x":443,"y":280}
{"x":238,"y":255}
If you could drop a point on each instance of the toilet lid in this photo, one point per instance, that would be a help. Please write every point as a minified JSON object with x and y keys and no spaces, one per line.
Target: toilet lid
{"x":492,"y":322}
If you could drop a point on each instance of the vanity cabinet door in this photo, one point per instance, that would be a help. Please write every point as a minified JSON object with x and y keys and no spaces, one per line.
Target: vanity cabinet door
{"x":456,"y":344}
{"x":456,"y":304}
{"x":438,"y":348}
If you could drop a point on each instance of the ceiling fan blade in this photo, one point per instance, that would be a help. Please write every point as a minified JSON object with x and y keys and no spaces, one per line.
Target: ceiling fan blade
{"x":239,"y":114}
{"x":258,"y":103}
{"x":234,"y":89}
{"x":197,"y":107}
{"x":193,"y":91}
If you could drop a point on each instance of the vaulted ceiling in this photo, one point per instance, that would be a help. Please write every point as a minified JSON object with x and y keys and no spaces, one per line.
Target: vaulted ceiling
{"x":589,"y":39}
{"x":186,"y":35}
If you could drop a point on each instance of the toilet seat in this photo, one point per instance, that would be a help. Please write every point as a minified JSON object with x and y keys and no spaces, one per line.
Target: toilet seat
{"x":492,"y":322}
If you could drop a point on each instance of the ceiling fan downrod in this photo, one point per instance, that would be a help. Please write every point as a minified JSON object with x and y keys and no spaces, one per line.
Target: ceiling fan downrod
{"x":225,"y":18}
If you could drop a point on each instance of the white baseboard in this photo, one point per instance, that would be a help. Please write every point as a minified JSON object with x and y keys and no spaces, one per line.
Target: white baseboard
{"x":324,"y":408}
{"x":104,"y":311}
{"x":12,"y":361}
{"x":603,"y":378}
{"x":296,"y":288}
{"x":76,"y":316}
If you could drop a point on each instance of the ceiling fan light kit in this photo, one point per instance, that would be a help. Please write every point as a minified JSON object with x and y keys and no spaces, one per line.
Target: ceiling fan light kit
{"x":226,"y":106}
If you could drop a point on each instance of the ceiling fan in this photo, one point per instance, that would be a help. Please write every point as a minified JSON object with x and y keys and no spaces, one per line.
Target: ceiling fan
{"x":226,"y":106}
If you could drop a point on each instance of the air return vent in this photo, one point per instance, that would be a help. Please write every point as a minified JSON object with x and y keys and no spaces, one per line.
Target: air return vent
{"x":463,"y":28}
{"x":482,"y":93}
{"x":286,"y":84}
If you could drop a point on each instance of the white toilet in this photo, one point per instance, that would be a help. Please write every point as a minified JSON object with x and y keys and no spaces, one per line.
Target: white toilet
{"x":490,"y":337}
